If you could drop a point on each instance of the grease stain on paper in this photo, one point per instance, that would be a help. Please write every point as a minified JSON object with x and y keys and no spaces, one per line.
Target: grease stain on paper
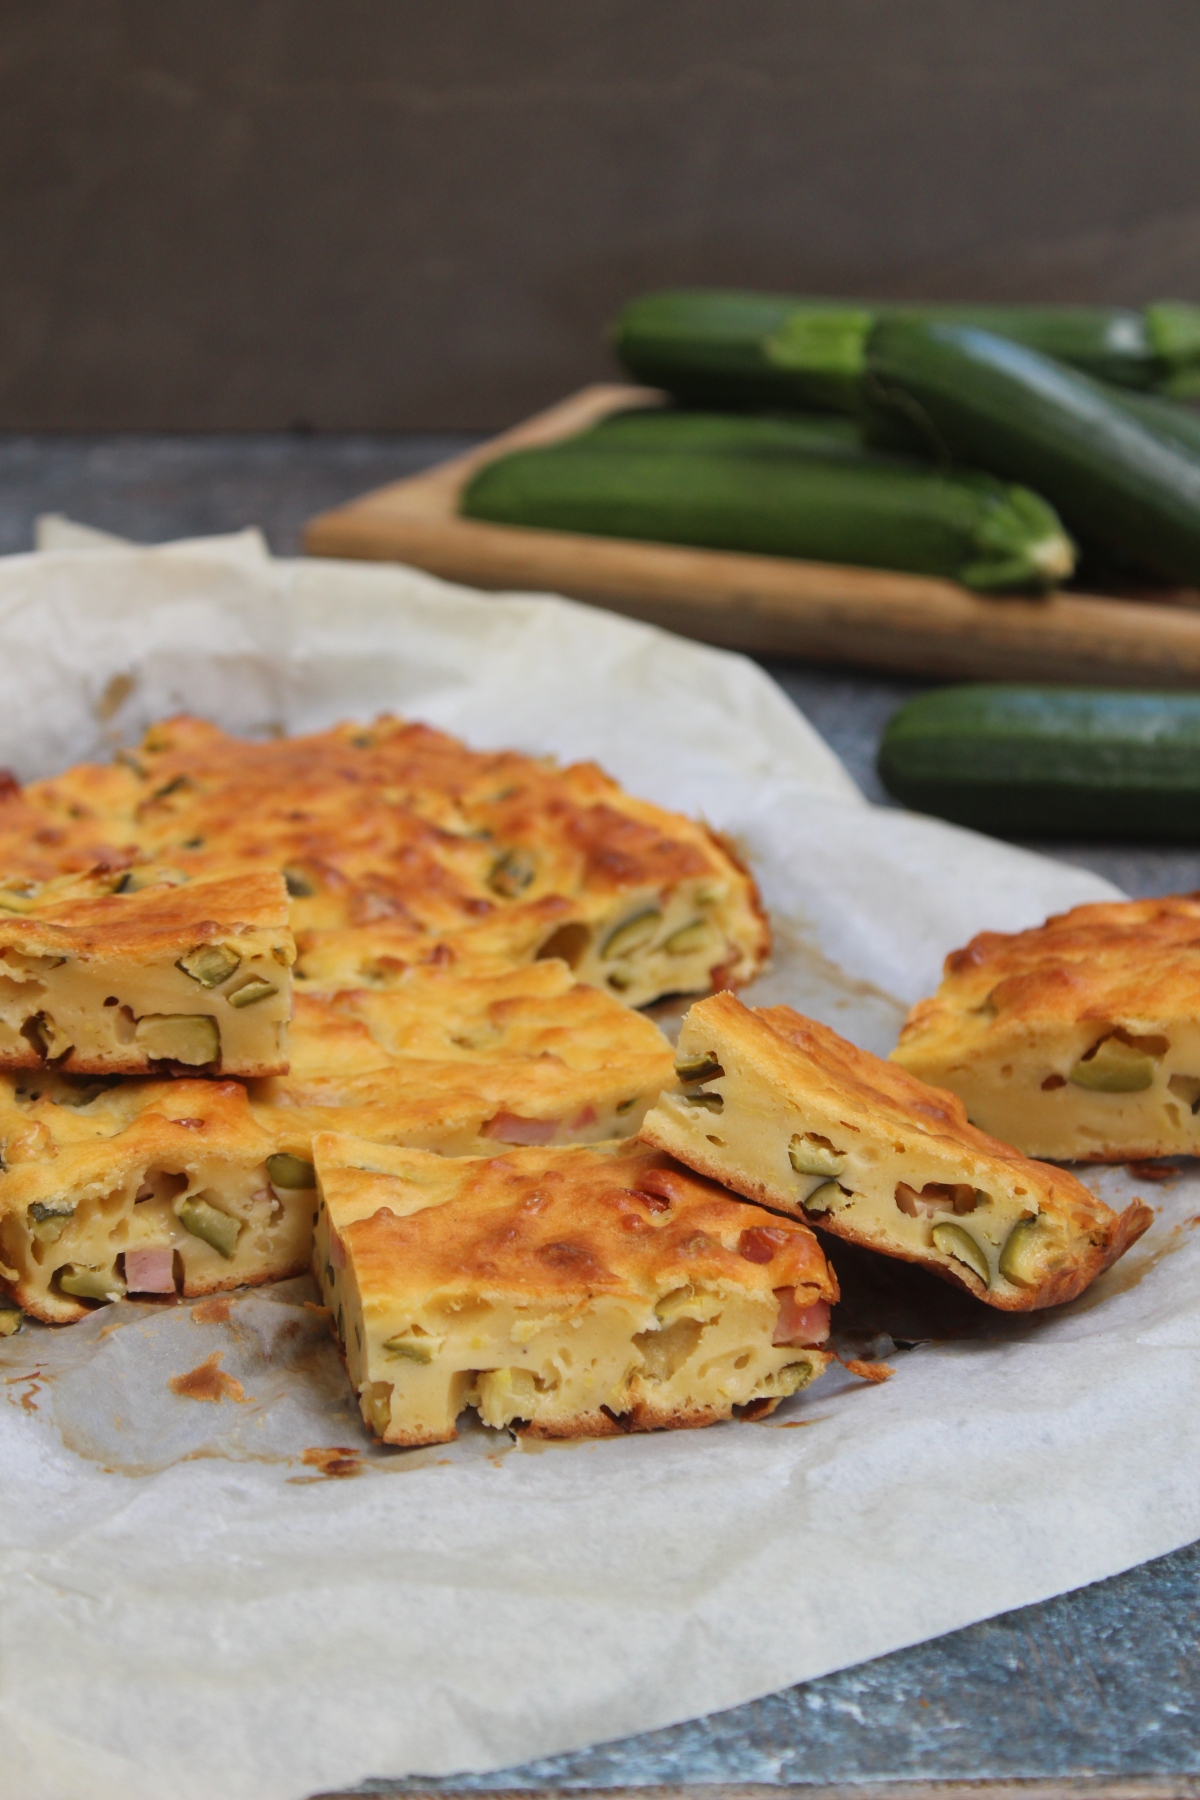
{"x":119,"y":1388}
{"x":213,"y":1311}
{"x":336,"y":1462}
{"x":207,"y":1381}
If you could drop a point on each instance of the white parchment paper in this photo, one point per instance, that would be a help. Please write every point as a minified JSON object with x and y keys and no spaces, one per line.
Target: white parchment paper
{"x":244,"y":1598}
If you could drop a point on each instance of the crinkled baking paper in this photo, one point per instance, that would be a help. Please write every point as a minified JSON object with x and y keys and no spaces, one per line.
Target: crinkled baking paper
{"x":241,"y":1597}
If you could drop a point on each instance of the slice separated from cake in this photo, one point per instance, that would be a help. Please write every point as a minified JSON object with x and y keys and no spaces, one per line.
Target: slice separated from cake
{"x":569,"y":1293}
{"x":98,"y":980}
{"x":788,"y":1113}
{"x":146,"y":1187}
{"x":1079,"y":1039}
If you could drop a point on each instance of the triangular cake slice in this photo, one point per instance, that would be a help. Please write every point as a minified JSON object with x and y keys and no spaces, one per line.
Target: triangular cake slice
{"x":1078,"y":1039}
{"x":574,"y":1293}
{"x":786,"y":1112}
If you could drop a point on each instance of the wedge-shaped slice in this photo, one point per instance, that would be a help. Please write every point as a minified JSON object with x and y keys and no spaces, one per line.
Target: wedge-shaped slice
{"x":146,"y":1187}
{"x":576,"y":1293}
{"x":453,"y":1062}
{"x":788,"y":1113}
{"x":1079,"y":1039}
{"x":97,"y":980}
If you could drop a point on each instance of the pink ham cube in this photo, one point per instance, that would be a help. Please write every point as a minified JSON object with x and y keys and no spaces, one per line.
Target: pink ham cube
{"x":150,"y":1271}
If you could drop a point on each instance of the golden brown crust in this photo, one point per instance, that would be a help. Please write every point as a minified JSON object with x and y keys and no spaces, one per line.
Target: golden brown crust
{"x":446,"y":1062}
{"x":1134,"y":962}
{"x":450,"y":1061}
{"x":555,"y":1224}
{"x":1017,"y":1016}
{"x":570,"y":1292}
{"x":804,"y":1060}
{"x":88,"y":918}
{"x":391,"y":824}
{"x":1136,"y":959}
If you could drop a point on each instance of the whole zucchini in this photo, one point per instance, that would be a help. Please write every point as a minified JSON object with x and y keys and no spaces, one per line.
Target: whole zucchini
{"x":710,"y":347}
{"x":1050,"y":761}
{"x":890,"y":515}
{"x":976,"y":398}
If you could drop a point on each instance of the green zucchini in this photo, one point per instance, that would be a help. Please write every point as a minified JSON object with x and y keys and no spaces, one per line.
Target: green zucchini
{"x":708,"y":348}
{"x":1166,"y":417}
{"x":1058,"y":762}
{"x":885,"y":514}
{"x":976,"y":398}
{"x":662,"y":428}
{"x":714,"y":348}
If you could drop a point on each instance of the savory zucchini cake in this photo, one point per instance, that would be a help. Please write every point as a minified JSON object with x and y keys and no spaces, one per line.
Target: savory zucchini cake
{"x":1078,"y":1039}
{"x":788,"y":1113}
{"x":396,"y":824}
{"x":216,"y":1178}
{"x":101,"y":977}
{"x":576,"y":1292}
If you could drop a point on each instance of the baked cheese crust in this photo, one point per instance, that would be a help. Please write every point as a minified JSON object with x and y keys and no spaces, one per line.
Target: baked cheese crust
{"x":94,"y":1170}
{"x":397,"y":828}
{"x":572,"y":1293}
{"x":1079,"y":1039}
{"x":95,"y":979}
{"x":788,"y":1113}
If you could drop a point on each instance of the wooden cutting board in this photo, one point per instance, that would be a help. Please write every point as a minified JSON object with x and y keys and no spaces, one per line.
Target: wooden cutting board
{"x":772,"y":606}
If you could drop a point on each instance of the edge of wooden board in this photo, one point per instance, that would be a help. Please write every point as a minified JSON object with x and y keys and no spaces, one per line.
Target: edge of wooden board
{"x":1062,"y":1787}
{"x":761,"y":604}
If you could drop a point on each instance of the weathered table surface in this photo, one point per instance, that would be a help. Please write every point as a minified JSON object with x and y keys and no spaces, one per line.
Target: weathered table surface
{"x":1097,"y":1692}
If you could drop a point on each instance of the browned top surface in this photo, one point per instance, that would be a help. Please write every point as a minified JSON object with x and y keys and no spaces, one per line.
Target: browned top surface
{"x":536,"y":1013}
{"x":562,"y":1224}
{"x":84,"y":917}
{"x":809,"y":1060}
{"x":388,"y":822}
{"x":446,"y":1050}
{"x":1136,"y":960}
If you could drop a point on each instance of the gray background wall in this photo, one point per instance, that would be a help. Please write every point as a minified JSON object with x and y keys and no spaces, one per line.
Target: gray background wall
{"x":406,"y":214}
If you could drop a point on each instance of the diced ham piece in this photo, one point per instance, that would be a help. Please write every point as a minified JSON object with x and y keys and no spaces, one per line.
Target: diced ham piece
{"x":150,"y":1271}
{"x":584,"y":1119}
{"x":800,"y":1325}
{"x":761,"y":1243}
{"x":935,"y":1197}
{"x":337,"y":1250}
{"x":511,"y":1128}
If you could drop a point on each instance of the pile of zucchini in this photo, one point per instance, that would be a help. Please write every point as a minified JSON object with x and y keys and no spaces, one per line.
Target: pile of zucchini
{"x":991,"y":445}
